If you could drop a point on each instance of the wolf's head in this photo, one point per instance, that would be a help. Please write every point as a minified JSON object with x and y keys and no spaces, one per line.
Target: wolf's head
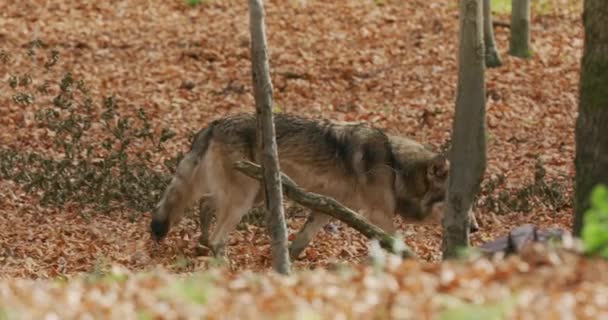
{"x":160,"y":224}
{"x":421,"y":183}
{"x":181,"y":192}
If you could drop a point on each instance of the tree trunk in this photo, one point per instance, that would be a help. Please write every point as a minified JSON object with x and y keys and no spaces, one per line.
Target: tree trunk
{"x":591,"y":125}
{"x":332,"y":208}
{"x":267,"y":144}
{"x":492,"y":55}
{"x":520,"y":29}
{"x":468,"y":154}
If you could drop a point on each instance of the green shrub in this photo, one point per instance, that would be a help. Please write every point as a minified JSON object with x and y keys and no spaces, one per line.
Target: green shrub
{"x":456,"y":309}
{"x":193,"y":3}
{"x":595,"y":223}
{"x":109,"y":168}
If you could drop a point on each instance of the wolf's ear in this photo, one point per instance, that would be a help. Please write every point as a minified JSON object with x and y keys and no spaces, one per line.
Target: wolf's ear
{"x":438,"y":168}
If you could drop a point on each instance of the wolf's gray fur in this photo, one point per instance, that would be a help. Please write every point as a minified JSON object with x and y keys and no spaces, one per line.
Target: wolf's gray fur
{"x":367,"y":170}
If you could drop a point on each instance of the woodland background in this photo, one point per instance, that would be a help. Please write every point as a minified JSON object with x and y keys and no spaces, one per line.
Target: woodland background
{"x":170,"y":68}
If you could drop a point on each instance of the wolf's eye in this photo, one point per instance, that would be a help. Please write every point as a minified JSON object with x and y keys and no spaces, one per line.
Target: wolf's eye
{"x":438,"y":168}
{"x":440,"y":172}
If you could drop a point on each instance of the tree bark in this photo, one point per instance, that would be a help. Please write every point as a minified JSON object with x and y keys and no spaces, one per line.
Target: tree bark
{"x":266,"y":140}
{"x":519,"y":45}
{"x":468,"y":154}
{"x":591,"y":158}
{"x":333,"y":208}
{"x":492,"y":56}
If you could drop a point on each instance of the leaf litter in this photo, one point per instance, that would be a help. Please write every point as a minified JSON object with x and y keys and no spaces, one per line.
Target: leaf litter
{"x":387,"y":62}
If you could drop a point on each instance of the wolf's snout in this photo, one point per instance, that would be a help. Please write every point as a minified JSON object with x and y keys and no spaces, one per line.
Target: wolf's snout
{"x":159,"y":229}
{"x":473,"y":228}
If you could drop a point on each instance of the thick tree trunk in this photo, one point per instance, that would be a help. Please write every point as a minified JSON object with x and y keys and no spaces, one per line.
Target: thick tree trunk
{"x":468,"y":154}
{"x":267,"y":138}
{"x":492,"y":55}
{"x":592,"y":122}
{"x":332,"y":208}
{"x":520,"y":29}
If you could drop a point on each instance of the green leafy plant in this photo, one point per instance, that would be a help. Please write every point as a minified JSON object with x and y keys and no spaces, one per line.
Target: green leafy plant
{"x":144,"y":315}
{"x":193,"y":3}
{"x":501,"y":6}
{"x":458,"y":309}
{"x":109,"y":167}
{"x":196,"y":288}
{"x":183,"y":264}
{"x":539,"y":6}
{"x":550,"y":193}
{"x":595,"y":223}
{"x":102,"y":272}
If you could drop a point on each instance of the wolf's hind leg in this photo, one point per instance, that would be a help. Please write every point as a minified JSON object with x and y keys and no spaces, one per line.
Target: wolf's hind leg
{"x":314,"y":223}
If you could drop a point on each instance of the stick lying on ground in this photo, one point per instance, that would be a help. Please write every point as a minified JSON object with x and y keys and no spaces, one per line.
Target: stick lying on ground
{"x":332,"y":208}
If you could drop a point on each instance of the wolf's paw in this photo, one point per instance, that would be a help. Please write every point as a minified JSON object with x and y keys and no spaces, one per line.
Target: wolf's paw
{"x":294,"y":252}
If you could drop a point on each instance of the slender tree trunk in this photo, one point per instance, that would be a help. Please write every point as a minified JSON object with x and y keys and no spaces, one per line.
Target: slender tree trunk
{"x":520,"y":29}
{"x":468,"y":154}
{"x":492,"y":55}
{"x":267,"y":138}
{"x":592,"y":123}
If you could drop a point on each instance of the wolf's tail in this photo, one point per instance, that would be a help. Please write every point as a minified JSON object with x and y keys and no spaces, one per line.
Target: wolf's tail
{"x":185,"y":187}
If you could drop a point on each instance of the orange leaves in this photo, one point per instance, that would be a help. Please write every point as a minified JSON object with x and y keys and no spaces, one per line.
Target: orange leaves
{"x":391,"y":64}
{"x":569,"y":286}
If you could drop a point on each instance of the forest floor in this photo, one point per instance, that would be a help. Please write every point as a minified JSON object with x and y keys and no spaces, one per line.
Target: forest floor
{"x":390,"y":63}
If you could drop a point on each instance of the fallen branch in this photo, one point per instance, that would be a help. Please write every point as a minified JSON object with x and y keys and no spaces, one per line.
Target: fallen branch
{"x":332,"y":208}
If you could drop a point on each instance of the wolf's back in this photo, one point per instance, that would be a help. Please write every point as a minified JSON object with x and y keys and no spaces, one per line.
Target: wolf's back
{"x":316,"y":142}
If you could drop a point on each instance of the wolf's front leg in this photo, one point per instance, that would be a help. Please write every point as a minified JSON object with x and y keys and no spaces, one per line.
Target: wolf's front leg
{"x":313,"y":224}
{"x":383,"y":220}
{"x":205,"y":215}
{"x":230,"y":209}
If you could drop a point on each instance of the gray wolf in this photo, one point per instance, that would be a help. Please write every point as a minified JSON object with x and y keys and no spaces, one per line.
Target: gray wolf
{"x":376,"y":174}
